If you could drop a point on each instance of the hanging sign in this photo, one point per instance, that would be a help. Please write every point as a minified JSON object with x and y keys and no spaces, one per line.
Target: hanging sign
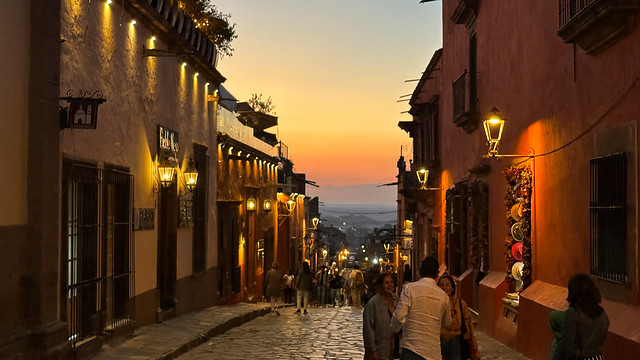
{"x":82,"y":112}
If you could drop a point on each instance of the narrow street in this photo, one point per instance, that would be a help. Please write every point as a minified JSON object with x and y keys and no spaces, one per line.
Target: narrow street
{"x":324,"y":333}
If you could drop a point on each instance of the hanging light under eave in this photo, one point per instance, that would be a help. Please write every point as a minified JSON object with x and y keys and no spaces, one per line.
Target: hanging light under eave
{"x":165,"y":171}
{"x":190,"y":176}
{"x":251,"y":204}
{"x":423,"y":175}
{"x":493,"y":126}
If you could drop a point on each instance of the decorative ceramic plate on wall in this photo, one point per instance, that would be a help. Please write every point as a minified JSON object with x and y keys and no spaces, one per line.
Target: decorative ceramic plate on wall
{"x":516,"y":231}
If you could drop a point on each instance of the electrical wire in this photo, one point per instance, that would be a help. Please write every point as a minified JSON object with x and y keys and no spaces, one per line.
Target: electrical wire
{"x":634,"y":85}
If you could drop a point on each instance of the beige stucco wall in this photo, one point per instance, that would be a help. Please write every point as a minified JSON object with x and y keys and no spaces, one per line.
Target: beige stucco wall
{"x":14,"y":65}
{"x":103,"y":52}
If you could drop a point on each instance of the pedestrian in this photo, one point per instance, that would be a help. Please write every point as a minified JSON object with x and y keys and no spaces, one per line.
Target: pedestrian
{"x":288,"y":286}
{"x":585,"y":322}
{"x":274,"y":286}
{"x":407,"y":277}
{"x":369,"y":277}
{"x":379,"y":340}
{"x":322,"y":282}
{"x":304,"y":280}
{"x":335,"y":285}
{"x":357,"y":287}
{"x":346,"y":286}
{"x":423,"y":309}
{"x":460,"y":332}
{"x":394,"y":275}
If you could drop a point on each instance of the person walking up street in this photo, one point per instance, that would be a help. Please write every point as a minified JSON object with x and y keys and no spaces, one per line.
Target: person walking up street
{"x":460,"y":331}
{"x":274,"y":286}
{"x":335,"y":285}
{"x":379,"y":340}
{"x":322,"y":280}
{"x":357,"y":287}
{"x":423,"y":309}
{"x":288,"y":287}
{"x":304,"y":281}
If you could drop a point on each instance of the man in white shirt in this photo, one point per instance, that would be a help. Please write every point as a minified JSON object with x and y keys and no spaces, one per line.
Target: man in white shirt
{"x":422,"y":310}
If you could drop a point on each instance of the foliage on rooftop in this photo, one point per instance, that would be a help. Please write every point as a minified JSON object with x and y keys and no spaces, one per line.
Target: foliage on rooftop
{"x":213,"y":23}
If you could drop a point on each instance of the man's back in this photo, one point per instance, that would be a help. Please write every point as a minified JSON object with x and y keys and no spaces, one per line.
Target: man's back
{"x":422,"y":310}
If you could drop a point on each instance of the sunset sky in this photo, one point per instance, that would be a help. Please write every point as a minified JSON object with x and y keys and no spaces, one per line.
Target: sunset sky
{"x":335,"y":70}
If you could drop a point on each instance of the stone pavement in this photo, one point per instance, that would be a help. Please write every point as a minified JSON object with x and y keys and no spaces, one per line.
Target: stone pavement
{"x":228,"y":332}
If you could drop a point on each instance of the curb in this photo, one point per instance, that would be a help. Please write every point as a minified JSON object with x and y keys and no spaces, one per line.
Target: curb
{"x":213,"y":332}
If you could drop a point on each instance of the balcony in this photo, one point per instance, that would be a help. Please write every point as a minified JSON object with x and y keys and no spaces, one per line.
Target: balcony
{"x":465,"y":114}
{"x":595,"y":24}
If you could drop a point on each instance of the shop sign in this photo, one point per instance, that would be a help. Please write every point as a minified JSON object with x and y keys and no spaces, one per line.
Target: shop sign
{"x":82,"y":112}
{"x":167,"y":144}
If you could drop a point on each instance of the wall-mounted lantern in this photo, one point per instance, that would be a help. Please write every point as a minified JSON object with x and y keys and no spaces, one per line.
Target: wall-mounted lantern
{"x":315,"y":222}
{"x":493,"y":126}
{"x":291,"y":205}
{"x":251,"y":204}
{"x":266,"y":205}
{"x":423,"y":176}
{"x":190,"y":176}
{"x":165,"y":172}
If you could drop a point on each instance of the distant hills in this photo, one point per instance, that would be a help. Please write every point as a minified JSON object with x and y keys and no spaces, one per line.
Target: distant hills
{"x":358,"y":215}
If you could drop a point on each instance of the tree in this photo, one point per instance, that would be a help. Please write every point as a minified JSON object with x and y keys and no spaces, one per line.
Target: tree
{"x":263,"y":106}
{"x":214,"y":24}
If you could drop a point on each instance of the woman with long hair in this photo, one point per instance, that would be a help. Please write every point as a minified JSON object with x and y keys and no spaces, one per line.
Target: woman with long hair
{"x":452,"y":337}
{"x":585,"y":321}
{"x":379,"y":340}
{"x":273,"y":286}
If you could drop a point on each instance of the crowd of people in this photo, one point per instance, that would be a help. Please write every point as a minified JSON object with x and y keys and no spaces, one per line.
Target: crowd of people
{"x":424,"y":319}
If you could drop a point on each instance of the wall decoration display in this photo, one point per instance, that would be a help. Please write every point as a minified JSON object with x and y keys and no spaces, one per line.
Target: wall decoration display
{"x":518,"y":220}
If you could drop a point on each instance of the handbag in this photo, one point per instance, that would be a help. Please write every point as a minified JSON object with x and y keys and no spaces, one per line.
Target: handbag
{"x":465,"y":349}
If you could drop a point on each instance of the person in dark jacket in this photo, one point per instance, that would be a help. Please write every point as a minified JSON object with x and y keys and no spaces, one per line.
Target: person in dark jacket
{"x":304,"y":281}
{"x":585,"y":322}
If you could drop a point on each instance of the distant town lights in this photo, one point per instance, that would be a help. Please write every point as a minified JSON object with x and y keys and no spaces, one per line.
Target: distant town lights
{"x":153,"y":39}
{"x":184,"y":64}
{"x":109,"y":2}
{"x":133,"y":22}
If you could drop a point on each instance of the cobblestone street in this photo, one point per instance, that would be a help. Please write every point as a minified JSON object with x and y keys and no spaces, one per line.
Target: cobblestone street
{"x":331,"y":333}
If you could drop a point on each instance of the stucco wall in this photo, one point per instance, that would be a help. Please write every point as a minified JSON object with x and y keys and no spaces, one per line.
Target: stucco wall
{"x":103,"y":51}
{"x":14,"y":64}
{"x":550,"y":93}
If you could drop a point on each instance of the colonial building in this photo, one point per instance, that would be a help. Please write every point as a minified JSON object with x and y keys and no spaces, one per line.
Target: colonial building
{"x":108,"y":224}
{"x":515,"y":213}
{"x":247,"y":180}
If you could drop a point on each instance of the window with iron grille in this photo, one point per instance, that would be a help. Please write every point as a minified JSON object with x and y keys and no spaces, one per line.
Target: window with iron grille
{"x":609,"y":217}
{"x":98,"y":258}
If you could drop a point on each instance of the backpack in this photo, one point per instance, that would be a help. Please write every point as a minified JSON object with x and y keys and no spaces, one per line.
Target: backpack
{"x":358,"y":279}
